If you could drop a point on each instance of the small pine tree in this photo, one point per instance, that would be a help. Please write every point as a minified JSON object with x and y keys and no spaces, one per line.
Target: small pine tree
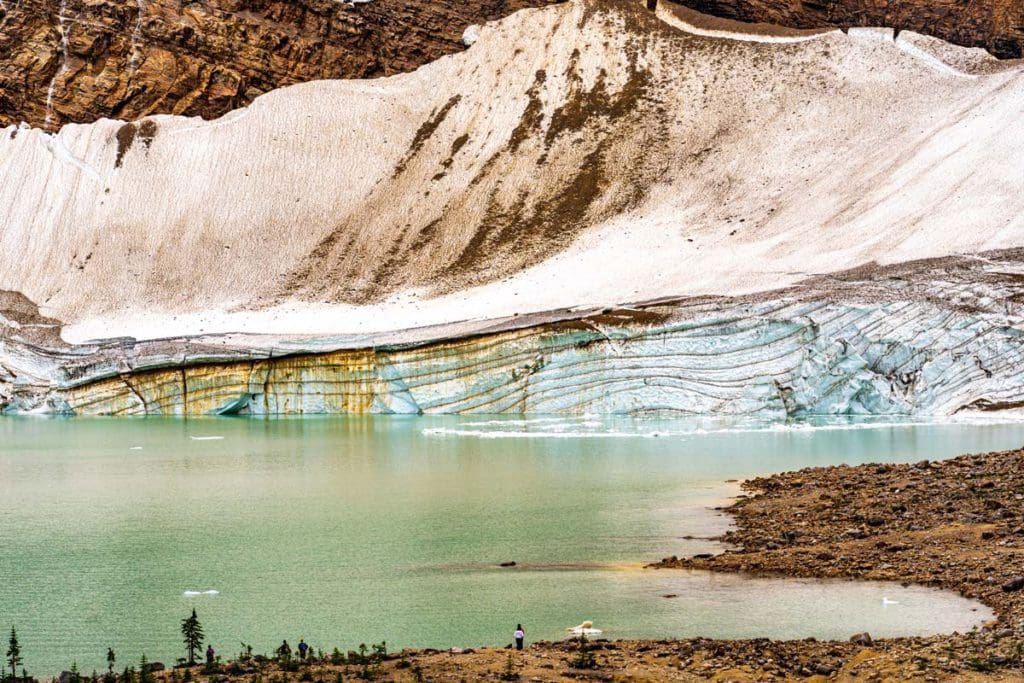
{"x":111,"y":660}
{"x":13,"y":653}
{"x":510,"y":673}
{"x":585,"y":658}
{"x":145,"y":675}
{"x":192,"y":633}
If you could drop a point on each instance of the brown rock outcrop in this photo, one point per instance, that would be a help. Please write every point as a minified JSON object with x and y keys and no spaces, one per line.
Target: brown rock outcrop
{"x":79,"y":60}
{"x":996,"y":25}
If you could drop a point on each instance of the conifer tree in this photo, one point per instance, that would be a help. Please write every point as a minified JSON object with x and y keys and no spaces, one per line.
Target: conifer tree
{"x":111,"y":660}
{"x":192,"y":632}
{"x":145,"y":675}
{"x":13,"y":654}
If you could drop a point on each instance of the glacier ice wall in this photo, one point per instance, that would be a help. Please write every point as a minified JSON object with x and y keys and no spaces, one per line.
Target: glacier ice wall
{"x":953,"y":342}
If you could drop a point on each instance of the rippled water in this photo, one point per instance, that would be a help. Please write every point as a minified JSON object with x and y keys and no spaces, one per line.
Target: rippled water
{"x":350,"y":530}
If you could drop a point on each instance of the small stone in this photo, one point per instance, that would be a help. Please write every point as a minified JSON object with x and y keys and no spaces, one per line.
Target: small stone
{"x":862,"y":639}
{"x":1014,"y":584}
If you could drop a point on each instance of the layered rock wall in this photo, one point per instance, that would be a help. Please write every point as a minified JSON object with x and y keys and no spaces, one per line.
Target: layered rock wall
{"x":81,"y":60}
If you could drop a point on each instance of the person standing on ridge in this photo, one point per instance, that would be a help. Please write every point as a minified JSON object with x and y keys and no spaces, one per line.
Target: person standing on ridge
{"x":520,"y":635}
{"x":302,"y":649}
{"x":209,"y":655}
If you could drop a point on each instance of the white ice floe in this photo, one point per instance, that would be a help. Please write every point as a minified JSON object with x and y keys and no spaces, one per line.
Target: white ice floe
{"x":511,"y":434}
{"x":585,"y":629}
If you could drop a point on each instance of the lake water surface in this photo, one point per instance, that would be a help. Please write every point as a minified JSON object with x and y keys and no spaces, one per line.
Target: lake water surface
{"x":355,"y":530}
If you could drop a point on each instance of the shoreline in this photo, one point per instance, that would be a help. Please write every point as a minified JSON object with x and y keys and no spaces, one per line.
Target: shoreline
{"x":955,"y":524}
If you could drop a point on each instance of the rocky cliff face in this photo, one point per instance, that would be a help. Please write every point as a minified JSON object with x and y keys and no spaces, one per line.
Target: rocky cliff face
{"x":81,"y":60}
{"x":996,"y":25}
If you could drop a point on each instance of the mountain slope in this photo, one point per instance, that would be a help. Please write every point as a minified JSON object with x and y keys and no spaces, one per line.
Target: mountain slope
{"x":513,"y":197}
{"x":585,"y":153}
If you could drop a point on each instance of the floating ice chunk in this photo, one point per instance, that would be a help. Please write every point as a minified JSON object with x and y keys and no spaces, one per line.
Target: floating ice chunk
{"x":135,"y":448}
{"x":508,"y":434}
{"x":193,"y":594}
{"x":585,"y":629}
{"x":206,"y":438}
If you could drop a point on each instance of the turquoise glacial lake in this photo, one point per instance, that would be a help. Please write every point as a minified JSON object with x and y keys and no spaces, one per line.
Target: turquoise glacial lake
{"x":355,"y":530}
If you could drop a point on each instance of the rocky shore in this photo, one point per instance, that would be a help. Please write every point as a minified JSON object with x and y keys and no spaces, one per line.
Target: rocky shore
{"x":956,"y":524}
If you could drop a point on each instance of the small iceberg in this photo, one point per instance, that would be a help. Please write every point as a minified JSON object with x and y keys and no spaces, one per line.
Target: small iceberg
{"x":206,"y":438}
{"x":192,"y":594}
{"x":585,"y":629}
{"x":135,"y":448}
{"x":887,"y":601}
